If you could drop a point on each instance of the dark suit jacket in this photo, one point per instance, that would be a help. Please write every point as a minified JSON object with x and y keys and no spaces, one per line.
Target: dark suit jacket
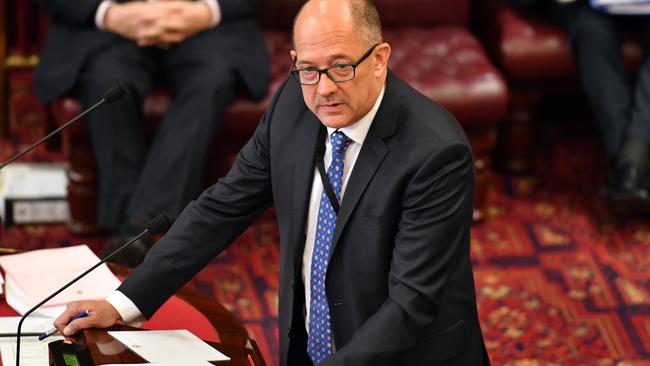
{"x":399,"y":282}
{"x":73,"y":35}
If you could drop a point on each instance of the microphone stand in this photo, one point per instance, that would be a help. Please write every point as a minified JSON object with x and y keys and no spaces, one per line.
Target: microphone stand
{"x":157,"y":225}
{"x":49,"y":135}
{"x":116,"y":92}
{"x":111,"y":95}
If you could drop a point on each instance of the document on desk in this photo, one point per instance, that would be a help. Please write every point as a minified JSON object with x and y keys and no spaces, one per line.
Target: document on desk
{"x":32,"y":351}
{"x":168,"y":346}
{"x":31,"y":325}
{"x":34,"y":275}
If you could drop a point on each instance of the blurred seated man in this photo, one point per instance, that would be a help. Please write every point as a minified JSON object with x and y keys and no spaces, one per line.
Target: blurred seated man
{"x":201,"y":50}
{"x":621,"y":102}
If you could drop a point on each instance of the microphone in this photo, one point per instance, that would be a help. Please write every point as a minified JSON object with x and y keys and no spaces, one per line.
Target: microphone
{"x":116,"y":92}
{"x":159,"y":225}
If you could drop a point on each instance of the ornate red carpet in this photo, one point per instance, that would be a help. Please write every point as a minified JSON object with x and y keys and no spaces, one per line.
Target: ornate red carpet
{"x":560,"y":279}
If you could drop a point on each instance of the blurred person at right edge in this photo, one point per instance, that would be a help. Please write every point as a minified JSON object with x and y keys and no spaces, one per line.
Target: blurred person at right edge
{"x":620,"y":101}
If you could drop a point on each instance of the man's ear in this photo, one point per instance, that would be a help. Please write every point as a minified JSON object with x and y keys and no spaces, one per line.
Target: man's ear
{"x":381,"y":56}
{"x":293,"y":55}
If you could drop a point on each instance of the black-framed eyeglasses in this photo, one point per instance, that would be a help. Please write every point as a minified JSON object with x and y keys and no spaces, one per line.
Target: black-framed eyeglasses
{"x":337,"y":73}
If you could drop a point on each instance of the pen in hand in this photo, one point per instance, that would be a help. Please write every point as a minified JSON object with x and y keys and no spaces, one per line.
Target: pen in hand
{"x":82,"y":314}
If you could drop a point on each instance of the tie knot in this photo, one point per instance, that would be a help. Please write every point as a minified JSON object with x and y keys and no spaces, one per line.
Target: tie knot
{"x":340,"y":142}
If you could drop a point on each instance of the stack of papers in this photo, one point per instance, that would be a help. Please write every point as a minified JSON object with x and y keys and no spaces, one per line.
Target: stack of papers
{"x":32,"y":351}
{"x":32,"y":276}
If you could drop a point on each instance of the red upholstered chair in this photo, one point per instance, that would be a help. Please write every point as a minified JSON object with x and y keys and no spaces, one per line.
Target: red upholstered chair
{"x":433,"y":50}
{"x":535,"y":58}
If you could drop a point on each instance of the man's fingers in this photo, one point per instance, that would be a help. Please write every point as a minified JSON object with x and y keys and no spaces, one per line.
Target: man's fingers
{"x":79,"y":324}
{"x":171,"y":38}
{"x":157,"y":35}
{"x":101,"y":314}
{"x":75,"y":326}
{"x":71,"y":310}
{"x":173,"y":25}
{"x":148,"y":36}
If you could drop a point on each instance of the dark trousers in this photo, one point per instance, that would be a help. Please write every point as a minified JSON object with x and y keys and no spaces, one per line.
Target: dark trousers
{"x":621,"y":102}
{"x":137,"y":179}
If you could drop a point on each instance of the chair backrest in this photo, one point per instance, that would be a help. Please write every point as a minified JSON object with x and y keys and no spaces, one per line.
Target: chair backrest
{"x":279,"y":14}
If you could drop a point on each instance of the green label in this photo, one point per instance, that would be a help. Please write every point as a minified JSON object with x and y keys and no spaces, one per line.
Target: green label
{"x":70,"y":359}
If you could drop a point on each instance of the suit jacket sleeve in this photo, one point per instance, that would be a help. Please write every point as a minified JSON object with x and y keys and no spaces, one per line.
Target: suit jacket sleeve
{"x":432,"y":235}
{"x":206,"y":226}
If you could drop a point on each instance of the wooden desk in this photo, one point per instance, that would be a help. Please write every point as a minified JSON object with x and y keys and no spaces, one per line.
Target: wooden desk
{"x":232,"y":336}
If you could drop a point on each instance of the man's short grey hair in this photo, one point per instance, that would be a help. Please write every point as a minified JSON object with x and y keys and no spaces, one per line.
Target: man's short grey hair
{"x":366,"y":18}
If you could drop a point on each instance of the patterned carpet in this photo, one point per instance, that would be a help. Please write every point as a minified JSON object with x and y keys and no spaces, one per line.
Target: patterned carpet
{"x":561,"y":278}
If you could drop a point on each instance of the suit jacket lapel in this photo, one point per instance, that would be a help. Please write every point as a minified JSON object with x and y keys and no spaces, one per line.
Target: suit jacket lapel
{"x":372,"y":153}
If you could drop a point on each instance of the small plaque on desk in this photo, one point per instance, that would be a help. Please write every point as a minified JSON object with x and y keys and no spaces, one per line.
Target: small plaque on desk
{"x":33,"y":193}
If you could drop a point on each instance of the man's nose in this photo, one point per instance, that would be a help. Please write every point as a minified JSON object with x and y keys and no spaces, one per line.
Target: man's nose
{"x":326,"y":86}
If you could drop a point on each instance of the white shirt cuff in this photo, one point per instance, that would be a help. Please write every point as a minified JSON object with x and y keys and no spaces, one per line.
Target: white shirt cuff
{"x":215,"y":11}
{"x":125,"y":307}
{"x":101,"y":13}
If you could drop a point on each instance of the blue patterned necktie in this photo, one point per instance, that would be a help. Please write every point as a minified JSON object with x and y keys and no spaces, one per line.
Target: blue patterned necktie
{"x":319,"y":343}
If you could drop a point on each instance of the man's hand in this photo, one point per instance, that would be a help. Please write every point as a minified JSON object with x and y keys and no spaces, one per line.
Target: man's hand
{"x":172,"y":21}
{"x":102,"y":315}
{"x":126,"y":19}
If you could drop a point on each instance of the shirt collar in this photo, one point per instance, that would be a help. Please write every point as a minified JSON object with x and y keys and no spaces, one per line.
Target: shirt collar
{"x":357,"y":131}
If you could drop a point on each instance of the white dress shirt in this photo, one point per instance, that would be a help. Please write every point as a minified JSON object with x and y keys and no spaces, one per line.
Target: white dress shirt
{"x":100,"y":14}
{"x":357,"y":133}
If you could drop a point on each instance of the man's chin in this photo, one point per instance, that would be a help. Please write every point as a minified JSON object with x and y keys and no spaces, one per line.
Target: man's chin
{"x":334,"y":121}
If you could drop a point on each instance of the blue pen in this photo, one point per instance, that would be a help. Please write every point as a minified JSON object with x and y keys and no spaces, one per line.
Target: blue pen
{"x":82,"y":314}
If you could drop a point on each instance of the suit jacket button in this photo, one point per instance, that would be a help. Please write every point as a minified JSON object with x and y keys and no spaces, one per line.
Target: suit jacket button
{"x":288,"y":332}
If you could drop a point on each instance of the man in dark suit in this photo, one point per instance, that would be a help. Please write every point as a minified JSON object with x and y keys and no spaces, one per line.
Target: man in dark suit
{"x":202,"y":50}
{"x":375,"y":268}
{"x":621,"y":102}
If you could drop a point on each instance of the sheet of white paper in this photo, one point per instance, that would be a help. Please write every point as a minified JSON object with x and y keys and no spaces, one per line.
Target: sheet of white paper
{"x":168,"y":346}
{"x":32,"y":352}
{"x":26,"y":180}
{"x":38,"y":273}
{"x":16,"y":298}
{"x":9,"y":324}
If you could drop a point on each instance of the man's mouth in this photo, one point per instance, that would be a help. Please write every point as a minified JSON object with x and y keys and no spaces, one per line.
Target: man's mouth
{"x":330,"y":105}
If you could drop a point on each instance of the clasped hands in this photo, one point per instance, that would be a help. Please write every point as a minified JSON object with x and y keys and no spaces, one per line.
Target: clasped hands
{"x":162,"y":23}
